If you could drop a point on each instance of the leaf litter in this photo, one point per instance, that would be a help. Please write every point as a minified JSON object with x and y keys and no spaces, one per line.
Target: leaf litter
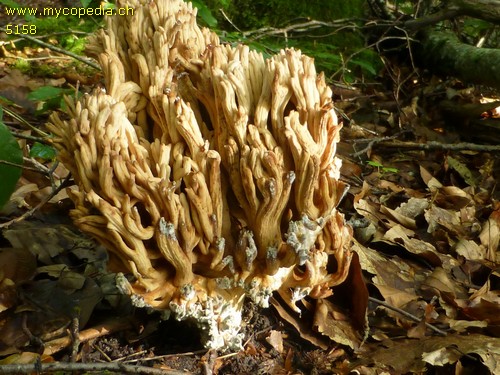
{"x":427,"y":229}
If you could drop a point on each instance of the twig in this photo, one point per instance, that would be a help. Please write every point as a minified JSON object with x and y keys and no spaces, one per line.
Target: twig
{"x":59,"y":50}
{"x":371,"y":142}
{"x":105,"y":328}
{"x":163,"y":356}
{"x":432,"y":145}
{"x":73,"y":32}
{"x":74,"y":334}
{"x":301,"y":28}
{"x":23,"y":121}
{"x":229,"y":20}
{"x":408,"y":315}
{"x":30,"y":137}
{"x":115,"y":367}
{"x":38,"y":206}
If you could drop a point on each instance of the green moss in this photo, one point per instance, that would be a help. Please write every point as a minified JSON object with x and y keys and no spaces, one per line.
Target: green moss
{"x":23,"y":65}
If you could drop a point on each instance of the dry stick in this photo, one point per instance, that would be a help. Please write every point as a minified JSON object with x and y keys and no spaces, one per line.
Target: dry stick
{"x":115,"y":367}
{"x":19,"y":118}
{"x":38,"y":206}
{"x":30,"y":137}
{"x":57,"y":49}
{"x":432,"y":145}
{"x":408,"y":315}
{"x":21,"y":166}
{"x":163,"y":356}
{"x":38,"y":168}
{"x":73,"y":32}
{"x":103,"y":329}
{"x":371,"y":142}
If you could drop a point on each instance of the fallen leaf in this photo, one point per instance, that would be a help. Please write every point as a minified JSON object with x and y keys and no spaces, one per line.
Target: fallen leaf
{"x":275,"y":339}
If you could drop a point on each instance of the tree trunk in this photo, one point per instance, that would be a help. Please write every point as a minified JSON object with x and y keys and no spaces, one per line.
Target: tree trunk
{"x":487,"y":10}
{"x":443,"y":53}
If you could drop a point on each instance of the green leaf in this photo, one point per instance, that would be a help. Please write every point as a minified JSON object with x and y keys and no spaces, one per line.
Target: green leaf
{"x":5,"y":101}
{"x":205,"y":13}
{"x":51,"y":97}
{"x":366,"y":65}
{"x":9,"y":152}
{"x":390,"y":170}
{"x":375,"y":164}
{"x":41,"y":151}
{"x":107,"y":5}
{"x":12,"y":4}
{"x":45,"y":93}
{"x":85,"y":3}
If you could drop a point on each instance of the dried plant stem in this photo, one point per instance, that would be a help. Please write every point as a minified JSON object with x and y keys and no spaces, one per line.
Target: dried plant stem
{"x":408,"y":315}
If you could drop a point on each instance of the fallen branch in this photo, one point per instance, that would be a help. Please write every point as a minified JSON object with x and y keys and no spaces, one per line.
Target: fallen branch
{"x":106,"y":328}
{"x":432,"y":145}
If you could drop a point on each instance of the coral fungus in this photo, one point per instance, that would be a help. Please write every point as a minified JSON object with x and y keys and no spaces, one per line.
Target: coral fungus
{"x":207,"y":171}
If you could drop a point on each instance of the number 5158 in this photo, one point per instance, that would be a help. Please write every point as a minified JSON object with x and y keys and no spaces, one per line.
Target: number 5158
{"x":20,"y":29}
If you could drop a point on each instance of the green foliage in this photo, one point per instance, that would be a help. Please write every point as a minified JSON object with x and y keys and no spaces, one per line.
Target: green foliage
{"x":67,"y":40}
{"x":476,"y":29}
{"x":381,"y":168}
{"x":60,"y":25}
{"x":11,"y":153}
{"x":12,"y":4}
{"x":51,"y":97}
{"x":366,"y":65}
{"x":332,"y":49}
{"x":247,"y":15}
{"x":85,"y":3}
{"x":204,"y":13}
{"x":22,"y":65}
{"x":41,"y":151}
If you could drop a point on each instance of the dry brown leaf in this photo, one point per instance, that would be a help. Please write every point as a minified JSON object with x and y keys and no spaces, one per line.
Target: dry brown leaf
{"x":391,"y":272}
{"x":303,"y":329}
{"x":431,"y":182}
{"x":411,"y":356}
{"x":275,"y":339}
{"x":460,"y":326}
{"x":329,"y":321}
{"x":470,"y":250}
{"x":439,"y":281}
{"x":403,"y":220}
{"x":490,"y":237}
{"x":401,"y":236}
{"x":418,"y":331}
{"x":397,"y":297}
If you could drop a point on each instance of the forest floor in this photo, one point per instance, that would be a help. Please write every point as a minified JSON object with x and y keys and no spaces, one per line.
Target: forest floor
{"x":421,"y":156}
